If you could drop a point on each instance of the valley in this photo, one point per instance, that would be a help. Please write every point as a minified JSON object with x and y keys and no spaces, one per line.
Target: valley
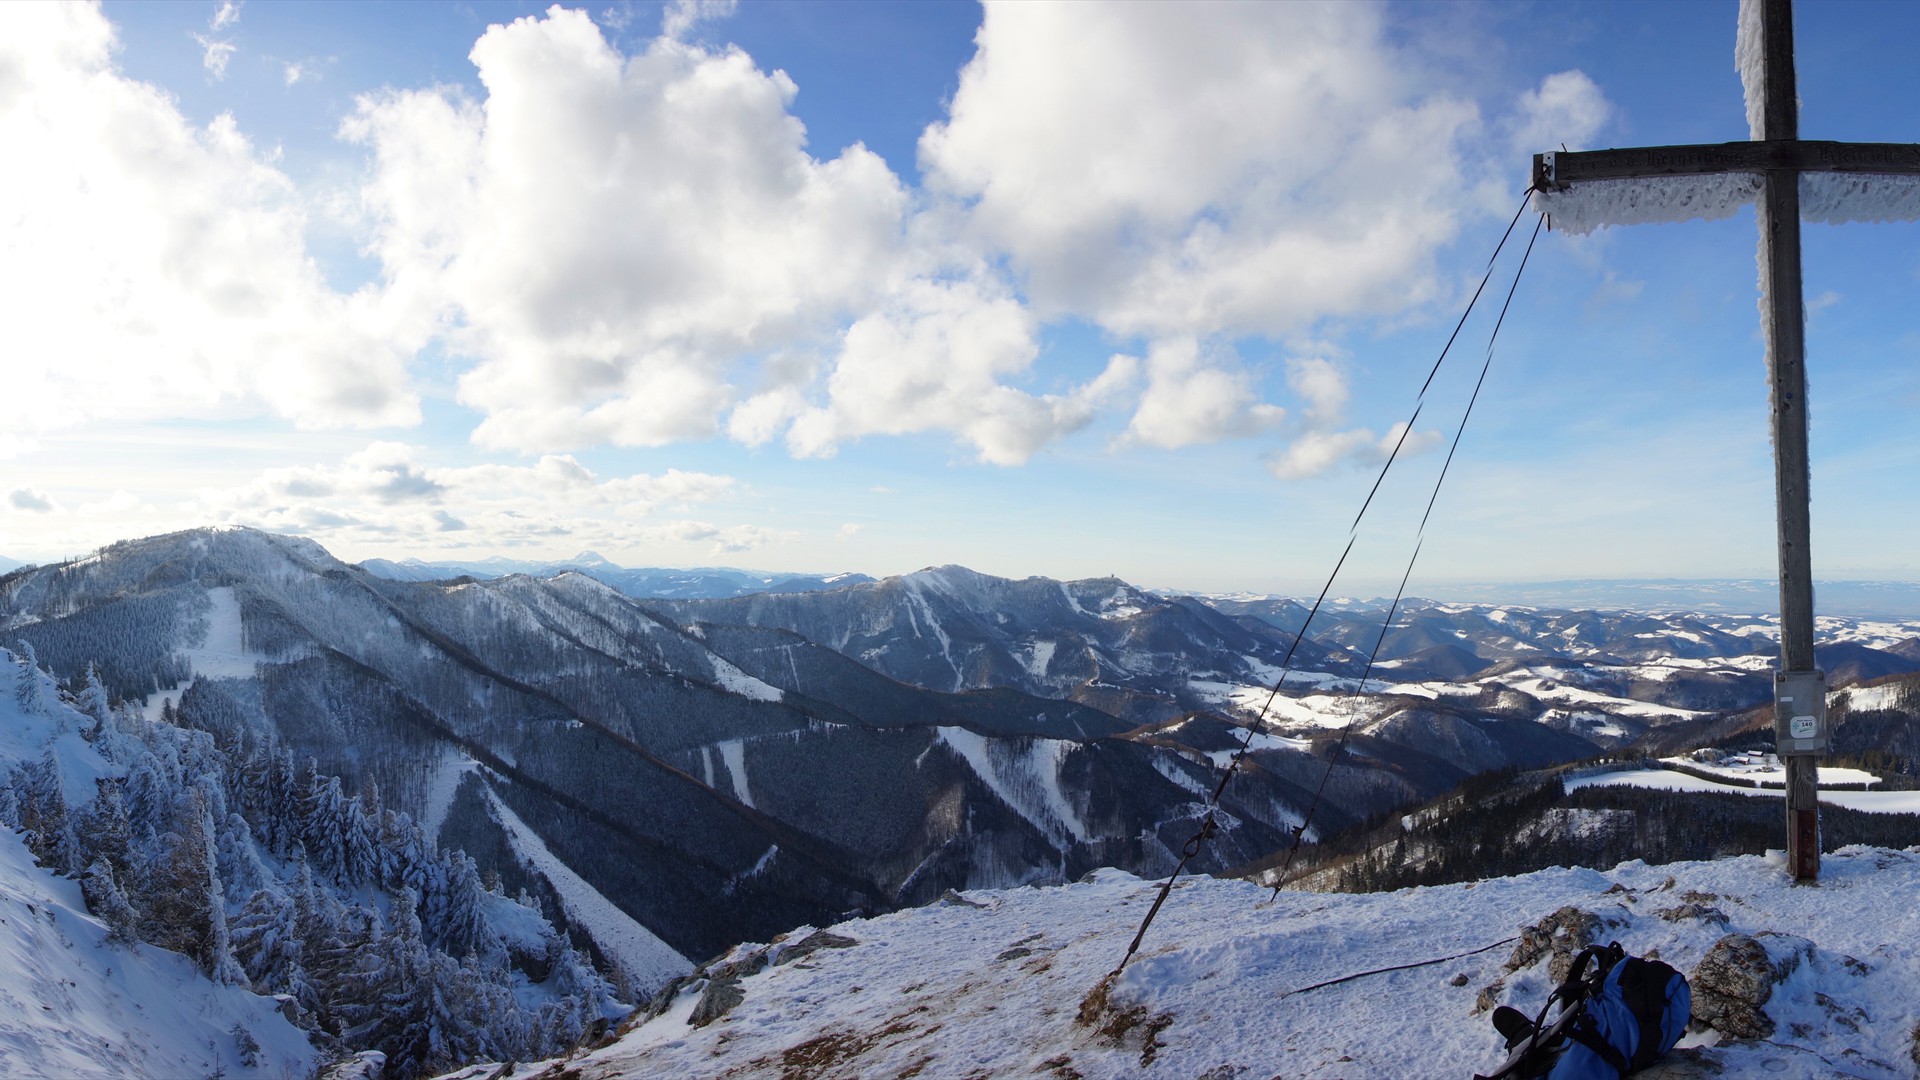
{"x":664,"y":777}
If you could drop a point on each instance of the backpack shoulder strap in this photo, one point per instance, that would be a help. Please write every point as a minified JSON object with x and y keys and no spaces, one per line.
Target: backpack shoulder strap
{"x":1587,"y":1034}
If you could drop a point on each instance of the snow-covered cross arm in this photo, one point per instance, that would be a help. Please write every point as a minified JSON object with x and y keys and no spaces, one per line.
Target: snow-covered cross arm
{"x":1837,"y":182}
{"x":1787,"y":179}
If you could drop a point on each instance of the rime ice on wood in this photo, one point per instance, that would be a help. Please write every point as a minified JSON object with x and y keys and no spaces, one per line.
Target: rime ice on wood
{"x":1750,"y":58}
{"x":1595,"y":204}
{"x":1830,"y":198}
{"x":1834,"y":198}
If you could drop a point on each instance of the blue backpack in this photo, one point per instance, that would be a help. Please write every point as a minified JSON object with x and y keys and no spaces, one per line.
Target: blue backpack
{"x":1623,"y":1016}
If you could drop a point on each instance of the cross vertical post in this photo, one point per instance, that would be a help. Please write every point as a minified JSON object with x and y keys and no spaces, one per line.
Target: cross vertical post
{"x":1675,"y":183}
{"x":1799,"y":687}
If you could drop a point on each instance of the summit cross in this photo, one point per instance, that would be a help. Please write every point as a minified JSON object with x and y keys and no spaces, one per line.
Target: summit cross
{"x":1779,"y":157}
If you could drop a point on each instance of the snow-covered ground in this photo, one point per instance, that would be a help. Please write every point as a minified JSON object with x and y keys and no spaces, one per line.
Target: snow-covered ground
{"x":1232,"y":985}
{"x":1866,"y":698}
{"x":1765,"y":768}
{"x":72,"y":1005}
{"x":1872,"y":802}
{"x":220,"y":654}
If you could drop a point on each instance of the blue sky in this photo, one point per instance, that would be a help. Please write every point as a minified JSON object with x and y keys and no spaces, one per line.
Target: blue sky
{"x":1040,"y":289}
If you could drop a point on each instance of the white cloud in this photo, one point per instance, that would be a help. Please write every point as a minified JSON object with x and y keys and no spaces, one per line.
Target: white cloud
{"x":728,"y":540}
{"x":609,"y":235}
{"x":154,"y":268}
{"x":639,"y":250}
{"x":1192,"y":397}
{"x":216,"y":53}
{"x":936,"y":360}
{"x":1193,"y":170}
{"x":1321,"y":444}
{"x":682,"y":16}
{"x":1316,"y":452}
{"x":385,"y":494}
{"x":1567,"y":109}
{"x":1322,"y":383}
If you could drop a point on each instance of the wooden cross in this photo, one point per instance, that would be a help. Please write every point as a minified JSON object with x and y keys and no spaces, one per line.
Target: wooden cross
{"x":1778,"y":156}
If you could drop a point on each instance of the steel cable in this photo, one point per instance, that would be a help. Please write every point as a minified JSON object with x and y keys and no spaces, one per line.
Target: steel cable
{"x":1208,"y":824}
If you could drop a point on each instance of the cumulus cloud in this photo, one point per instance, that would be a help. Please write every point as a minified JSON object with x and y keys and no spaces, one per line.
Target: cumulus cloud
{"x":1567,"y":109}
{"x":1321,"y":382}
{"x":936,"y":360}
{"x":640,"y":249}
{"x":610,"y":234}
{"x":1316,"y":452}
{"x":386,"y":493}
{"x":1167,"y":170}
{"x":1321,"y":443}
{"x":1195,"y":398}
{"x":153,"y":268}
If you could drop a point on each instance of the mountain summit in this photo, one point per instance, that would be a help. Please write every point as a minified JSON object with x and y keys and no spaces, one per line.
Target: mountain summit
{"x":1235,"y":984}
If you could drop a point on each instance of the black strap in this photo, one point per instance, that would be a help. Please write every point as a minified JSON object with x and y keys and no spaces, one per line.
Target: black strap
{"x":1585,"y":1032}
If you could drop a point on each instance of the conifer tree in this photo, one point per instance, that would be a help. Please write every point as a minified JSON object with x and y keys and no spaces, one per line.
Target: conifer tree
{"x":103,"y":829}
{"x":94,"y":704}
{"x":109,"y":902}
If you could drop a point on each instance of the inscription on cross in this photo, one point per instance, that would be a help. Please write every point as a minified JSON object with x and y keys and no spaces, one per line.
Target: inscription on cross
{"x":1778,"y":158}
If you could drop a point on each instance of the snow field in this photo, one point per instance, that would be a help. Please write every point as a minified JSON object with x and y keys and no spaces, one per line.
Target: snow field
{"x":1029,"y":782}
{"x":1770,"y":771}
{"x":733,"y":755}
{"x":1225,"y":984}
{"x":648,"y":961}
{"x":221,"y":654}
{"x":1872,"y":802}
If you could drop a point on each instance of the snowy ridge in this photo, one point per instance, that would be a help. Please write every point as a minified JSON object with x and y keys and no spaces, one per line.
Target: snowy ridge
{"x":647,"y":960}
{"x":1005,"y":984}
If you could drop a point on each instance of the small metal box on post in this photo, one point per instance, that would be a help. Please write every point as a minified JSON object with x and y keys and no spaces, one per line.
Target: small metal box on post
{"x":1800,"y":712}
{"x":1800,"y":736}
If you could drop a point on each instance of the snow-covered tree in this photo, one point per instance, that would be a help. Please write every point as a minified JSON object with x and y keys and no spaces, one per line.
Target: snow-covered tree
{"x":107,"y":900}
